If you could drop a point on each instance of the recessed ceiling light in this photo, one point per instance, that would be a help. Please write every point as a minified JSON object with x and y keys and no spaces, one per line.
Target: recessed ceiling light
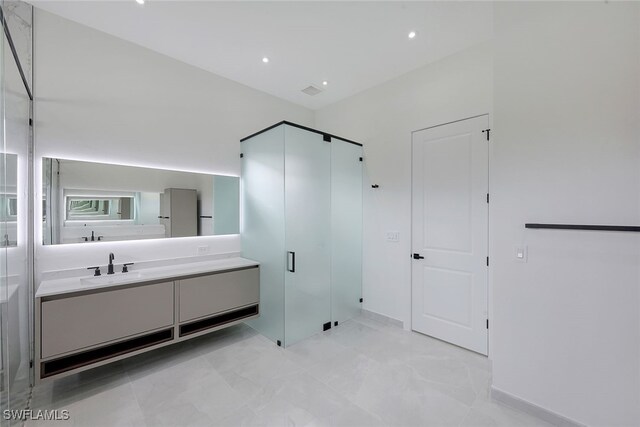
{"x":265,"y":59}
{"x":140,"y":1}
{"x":412,"y":34}
{"x":324,"y":83}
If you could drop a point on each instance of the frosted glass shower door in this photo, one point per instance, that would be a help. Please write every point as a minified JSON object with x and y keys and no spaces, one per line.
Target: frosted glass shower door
{"x":346,"y":230}
{"x":263,"y":225}
{"x":308,"y":230}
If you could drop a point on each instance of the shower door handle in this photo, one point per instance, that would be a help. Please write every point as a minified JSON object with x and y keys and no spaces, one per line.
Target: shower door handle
{"x":291,"y":262}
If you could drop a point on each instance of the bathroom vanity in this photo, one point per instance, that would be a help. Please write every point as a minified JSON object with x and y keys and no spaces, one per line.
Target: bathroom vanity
{"x":83,"y":322}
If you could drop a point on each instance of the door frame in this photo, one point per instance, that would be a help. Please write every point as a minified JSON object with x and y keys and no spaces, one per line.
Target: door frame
{"x":489,"y":239}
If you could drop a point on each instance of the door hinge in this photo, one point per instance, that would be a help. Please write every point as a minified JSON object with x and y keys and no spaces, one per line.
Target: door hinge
{"x":30,"y":122}
{"x":488,"y":132}
{"x":487,"y":323}
{"x":30,"y":363}
{"x":326,"y":326}
{"x":279,"y":343}
{"x":361,"y":299}
{"x":360,"y":158}
{"x":326,"y":137}
{"x":487,"y":261}
{"x":241,"y":155}
{"x":487,"y":197}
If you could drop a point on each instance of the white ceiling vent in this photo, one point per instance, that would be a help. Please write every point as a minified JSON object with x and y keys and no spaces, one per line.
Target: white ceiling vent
{"x":311,"y":90}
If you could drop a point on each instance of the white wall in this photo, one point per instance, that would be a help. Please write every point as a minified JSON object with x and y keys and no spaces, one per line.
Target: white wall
{"x":566,"y":145}
{"x":382,"y":118}
{"x":99,"y":98}
{"x":565,"y":148}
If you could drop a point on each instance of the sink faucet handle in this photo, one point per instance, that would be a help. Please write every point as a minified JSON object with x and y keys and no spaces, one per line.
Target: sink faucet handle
{"x":125,"y":268}
{"x":96,"y":272}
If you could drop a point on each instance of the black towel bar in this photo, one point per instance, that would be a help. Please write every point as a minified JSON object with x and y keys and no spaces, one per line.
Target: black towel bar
{"x":632,"y":228}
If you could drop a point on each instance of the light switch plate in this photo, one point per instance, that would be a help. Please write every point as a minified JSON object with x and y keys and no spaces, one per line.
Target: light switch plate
{"x":521,"y":254}
{"x":393,"y":236}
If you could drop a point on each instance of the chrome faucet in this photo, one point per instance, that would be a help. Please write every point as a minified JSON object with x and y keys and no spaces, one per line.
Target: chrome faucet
{"x":110,"y":266}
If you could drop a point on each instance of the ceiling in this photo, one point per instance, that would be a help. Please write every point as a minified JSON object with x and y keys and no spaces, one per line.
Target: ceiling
{"x":351,"y":45}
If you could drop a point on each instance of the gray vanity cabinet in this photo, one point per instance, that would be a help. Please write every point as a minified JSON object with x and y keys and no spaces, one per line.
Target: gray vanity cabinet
{"x":74,"y":323}
{"x":207,"y":295}
{"x":82,"y":328}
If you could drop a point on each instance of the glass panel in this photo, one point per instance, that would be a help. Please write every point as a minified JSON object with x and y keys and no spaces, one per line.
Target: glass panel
{"x":346,"y":230}
{"x":308,"y":229}
{"x":9,"y":201}
{"x":16,"y":299}
{"x":4,"y":379}
{"x":263,"y":225}
{"x":226,"y":205}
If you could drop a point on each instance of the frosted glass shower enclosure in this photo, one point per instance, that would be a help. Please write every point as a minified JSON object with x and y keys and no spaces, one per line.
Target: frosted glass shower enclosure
{"x":302,"y":220}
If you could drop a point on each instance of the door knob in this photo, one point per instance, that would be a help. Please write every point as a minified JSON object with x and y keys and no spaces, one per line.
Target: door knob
{"x":417,"y":256}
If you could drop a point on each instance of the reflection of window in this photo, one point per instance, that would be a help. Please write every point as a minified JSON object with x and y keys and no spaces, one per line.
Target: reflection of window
{"x":83,"y":208}
{"x":13,"y":207}
{"x":8,"y":207}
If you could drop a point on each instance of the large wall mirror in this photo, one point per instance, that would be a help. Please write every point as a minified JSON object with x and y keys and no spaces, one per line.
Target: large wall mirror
{"x":86,"y":202}
{"x":8,"y":200}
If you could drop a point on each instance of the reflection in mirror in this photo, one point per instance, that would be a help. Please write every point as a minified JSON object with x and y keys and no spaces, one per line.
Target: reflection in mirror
{"x":92,"y":202}
{"x":81,"y":208}
{"x":9,"y":200}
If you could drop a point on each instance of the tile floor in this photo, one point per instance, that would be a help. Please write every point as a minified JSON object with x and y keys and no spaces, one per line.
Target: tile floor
{"x":365,"y":372}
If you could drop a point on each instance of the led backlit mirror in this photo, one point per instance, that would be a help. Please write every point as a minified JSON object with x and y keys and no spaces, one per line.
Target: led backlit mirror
{"x":8,"y":200}
{"x":86,"y":202}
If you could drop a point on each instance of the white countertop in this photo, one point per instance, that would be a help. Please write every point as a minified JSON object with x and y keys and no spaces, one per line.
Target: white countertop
{"x":89,"y":282}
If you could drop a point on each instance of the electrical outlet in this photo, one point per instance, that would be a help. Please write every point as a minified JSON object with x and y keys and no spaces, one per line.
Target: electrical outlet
{"x":203,"y":250}
{"x":393,"y":236}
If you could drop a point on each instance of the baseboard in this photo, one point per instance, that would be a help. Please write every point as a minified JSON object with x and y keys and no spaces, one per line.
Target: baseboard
{"x":382,"y":318}
{"x":533,"y":409}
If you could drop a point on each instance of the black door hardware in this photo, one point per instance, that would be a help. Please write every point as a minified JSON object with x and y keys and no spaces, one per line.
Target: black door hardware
{"x":417,"y":256}
{"x":291,"y":262}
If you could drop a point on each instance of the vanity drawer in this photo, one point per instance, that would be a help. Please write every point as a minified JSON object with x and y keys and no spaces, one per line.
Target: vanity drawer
{"x":206,"y":295}
{"x":77,"y":322}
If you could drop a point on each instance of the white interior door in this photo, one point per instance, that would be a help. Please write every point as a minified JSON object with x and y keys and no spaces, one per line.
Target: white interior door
{"x":450,"y":215}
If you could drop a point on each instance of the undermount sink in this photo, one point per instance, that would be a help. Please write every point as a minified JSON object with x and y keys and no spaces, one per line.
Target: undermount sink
{"x":112,"y":278}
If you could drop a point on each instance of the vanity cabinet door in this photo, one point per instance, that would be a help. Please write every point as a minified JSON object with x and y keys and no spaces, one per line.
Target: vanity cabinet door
{"x":81,"y":321}
{"x":206,"y":295}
